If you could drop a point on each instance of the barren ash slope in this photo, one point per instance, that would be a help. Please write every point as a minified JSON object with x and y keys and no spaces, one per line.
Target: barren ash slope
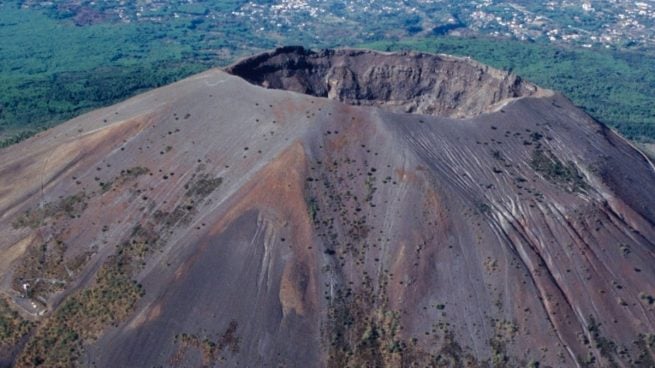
{"x":401,"y":210}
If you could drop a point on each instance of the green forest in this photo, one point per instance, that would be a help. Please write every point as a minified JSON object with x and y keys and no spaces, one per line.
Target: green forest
{"x":51,"y":71}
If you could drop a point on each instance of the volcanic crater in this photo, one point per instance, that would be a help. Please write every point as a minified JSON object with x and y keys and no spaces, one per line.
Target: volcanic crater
{"x":439,"y":85}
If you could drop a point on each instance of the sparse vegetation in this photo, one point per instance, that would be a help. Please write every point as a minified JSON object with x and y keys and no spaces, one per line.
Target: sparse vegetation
{"x":12,"y":326}
{"x":625,"y":250}
{"x":202,"y":186}
{"x":58,"y":342}
{"x":212,"y":350}
{"x":81,"y":317}
{"x":133,"y":252}
{"x":362,"y":331}
{"x":124,"y":177}
{"x":647,"y":298}
{"x":566,"y":175}
{"x":645,"y":344}
{"x":312,"y":208}
{"x":605,"y":346}
{"x":44,"y":269}
{"x":483,"y":208}
{"x":71,"y":206}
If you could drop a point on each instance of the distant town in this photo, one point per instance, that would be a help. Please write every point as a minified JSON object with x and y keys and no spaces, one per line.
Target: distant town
{"x":618,"y":23}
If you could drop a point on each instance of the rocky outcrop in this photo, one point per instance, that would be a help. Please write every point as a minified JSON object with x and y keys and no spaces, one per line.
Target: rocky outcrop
{"x":408,"y":82}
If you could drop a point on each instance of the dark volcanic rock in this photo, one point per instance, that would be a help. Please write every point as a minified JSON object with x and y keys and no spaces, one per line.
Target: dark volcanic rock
{"x":216,"y":223}
{"x":409,"y":82}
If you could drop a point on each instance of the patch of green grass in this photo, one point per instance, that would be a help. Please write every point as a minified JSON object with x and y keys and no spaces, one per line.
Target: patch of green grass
{"x":557,"y":172}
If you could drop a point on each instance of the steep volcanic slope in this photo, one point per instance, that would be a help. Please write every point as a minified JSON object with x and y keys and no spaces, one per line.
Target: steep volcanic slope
{"x":216,"y":223}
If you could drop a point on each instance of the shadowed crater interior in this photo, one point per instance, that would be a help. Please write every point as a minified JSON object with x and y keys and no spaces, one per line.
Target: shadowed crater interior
{"x":407,"y":82}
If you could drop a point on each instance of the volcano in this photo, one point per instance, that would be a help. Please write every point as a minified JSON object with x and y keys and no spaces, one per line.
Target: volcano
{"x":334,"y":208}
